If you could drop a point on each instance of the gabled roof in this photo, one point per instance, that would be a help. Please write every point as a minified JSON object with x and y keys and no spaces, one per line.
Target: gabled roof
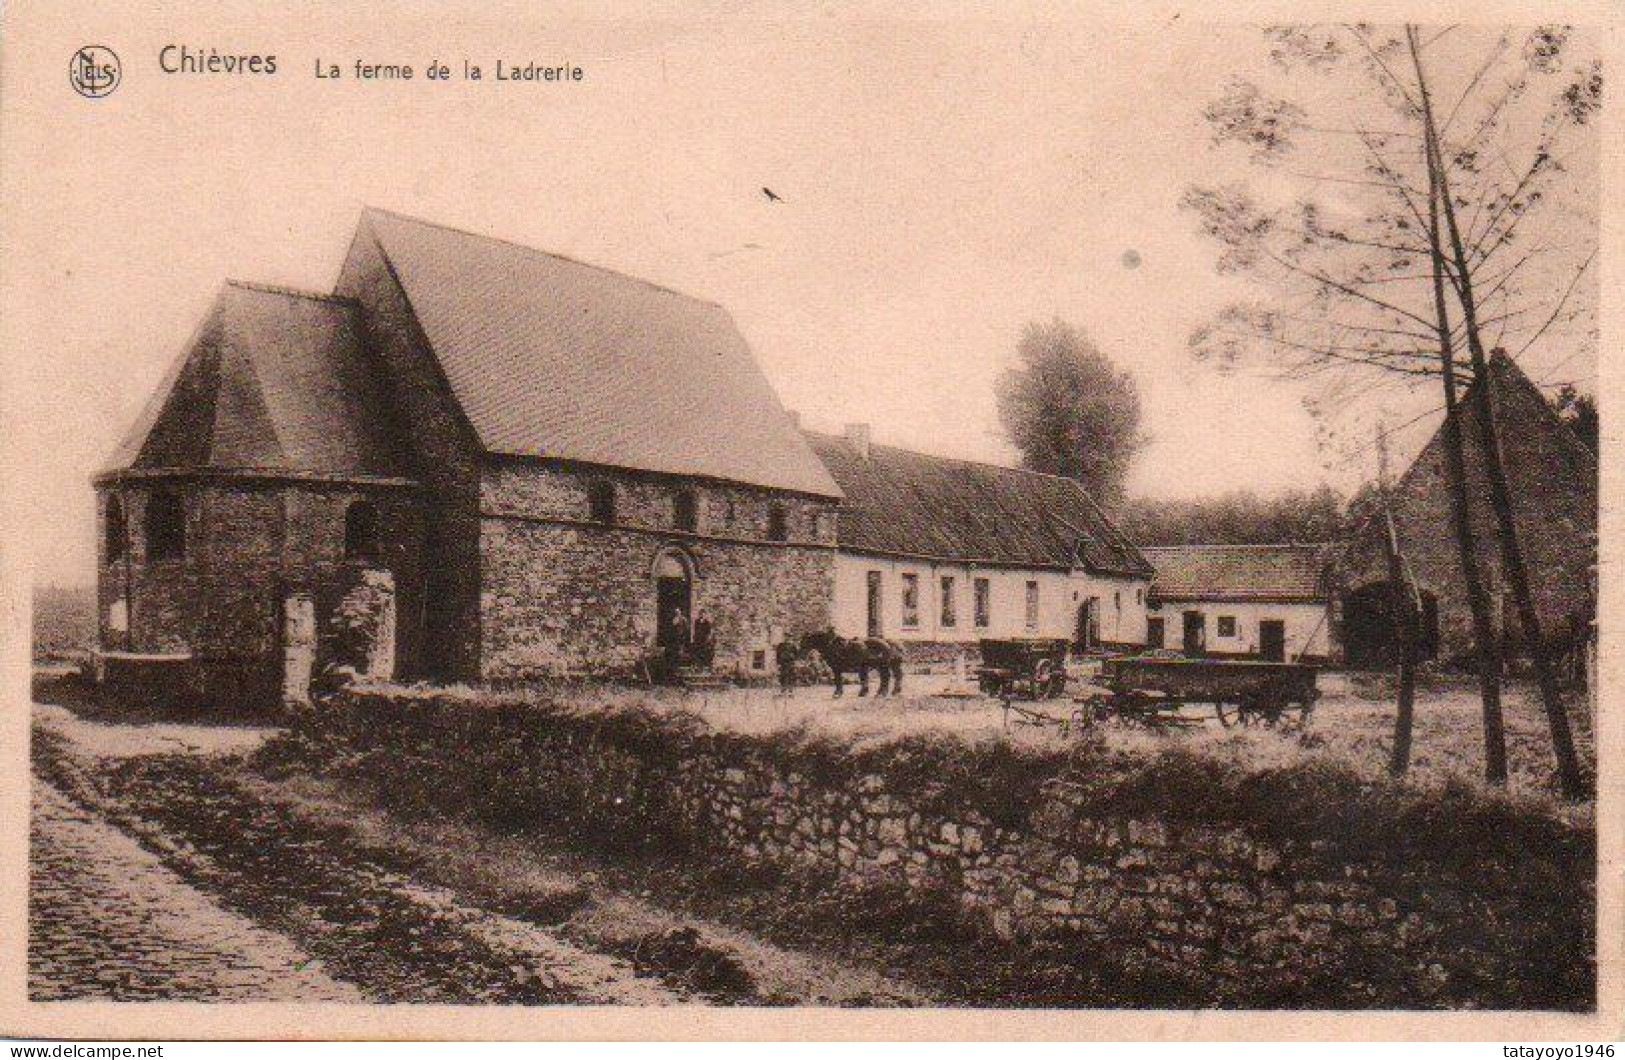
{"x":275,"y":381}
{"x":905,"y":503}
{"x":551,"y":358}
{"x":1239,"y":573}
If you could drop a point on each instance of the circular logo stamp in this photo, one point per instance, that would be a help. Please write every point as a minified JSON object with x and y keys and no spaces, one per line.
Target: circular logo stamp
{"x":94,"y":71}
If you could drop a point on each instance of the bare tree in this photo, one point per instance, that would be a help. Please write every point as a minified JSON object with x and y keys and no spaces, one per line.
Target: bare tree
{"x":1359,"y":255}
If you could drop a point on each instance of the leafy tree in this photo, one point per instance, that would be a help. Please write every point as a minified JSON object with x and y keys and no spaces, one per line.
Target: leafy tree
{"x":1579,"y":411}
{"x":1070,"y":411}
{"x":1412,"y":243}
{"x":1239,"y":517}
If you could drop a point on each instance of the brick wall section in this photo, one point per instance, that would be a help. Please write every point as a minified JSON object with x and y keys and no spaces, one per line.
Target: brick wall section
{"x":1554,"y":486}
{"x":445,"y":453}
{"x":561,"y":593}
{"x":249,"y":543}
{"x":1315,"y":891}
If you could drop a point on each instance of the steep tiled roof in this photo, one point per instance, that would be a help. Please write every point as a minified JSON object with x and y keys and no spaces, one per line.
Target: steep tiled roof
{"x":274,"y":380}
{"x":549,"y":357}
{"x":900,"y":502}
{"x":1282,"y":573}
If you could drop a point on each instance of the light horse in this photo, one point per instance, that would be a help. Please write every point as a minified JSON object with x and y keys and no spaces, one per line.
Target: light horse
{"x":845,"y":655}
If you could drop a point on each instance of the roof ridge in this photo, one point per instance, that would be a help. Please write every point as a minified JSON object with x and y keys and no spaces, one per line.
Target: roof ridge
{"x":543,"y":253}
{"x":953,"y":459}
{"x":292,"y":292}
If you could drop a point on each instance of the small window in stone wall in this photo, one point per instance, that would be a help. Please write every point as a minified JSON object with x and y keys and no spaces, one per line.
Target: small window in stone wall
{"x":361,"y":531}
{"x":601,"y":501}
{"x":165,"y":525}
{"x":1227,"y":625}
{"x":117,"y":530}
{"x":778,"y":523}
{"x":685,"y":511}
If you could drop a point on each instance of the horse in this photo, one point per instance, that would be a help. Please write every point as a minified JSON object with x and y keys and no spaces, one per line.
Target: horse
{"x":845,"y":655}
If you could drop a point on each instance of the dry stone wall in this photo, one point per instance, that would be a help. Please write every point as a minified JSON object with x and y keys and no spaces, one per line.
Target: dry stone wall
{"x":1303,"y":886}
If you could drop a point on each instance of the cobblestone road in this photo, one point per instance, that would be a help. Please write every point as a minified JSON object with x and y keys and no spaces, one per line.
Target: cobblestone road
{"x":108,"y":921}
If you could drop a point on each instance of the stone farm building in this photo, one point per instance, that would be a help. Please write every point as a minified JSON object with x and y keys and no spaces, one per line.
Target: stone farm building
{"x":1553,"y":480}
{"x":476,"y":461}
{"x":511,"y":462}
{"x":1252,"y":601}
{"x":944,"y":552}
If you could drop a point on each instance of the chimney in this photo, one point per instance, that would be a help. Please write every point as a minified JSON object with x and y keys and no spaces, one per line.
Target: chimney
{"x":795,"y":418}
{"x":857,"y":436}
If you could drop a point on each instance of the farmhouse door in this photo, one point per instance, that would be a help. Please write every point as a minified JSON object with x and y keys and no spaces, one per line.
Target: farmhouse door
{"x":673,"y":596}
{"x":1088,"y":631}
{"x":1195,"y":633}
{"x":1155,"y":637}
{"x":875,"y":612}
{"x":1272,"y":640}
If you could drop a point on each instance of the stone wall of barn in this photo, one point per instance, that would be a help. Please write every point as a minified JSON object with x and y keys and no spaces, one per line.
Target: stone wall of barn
{"x":248,"y":546}
{"x":446,"y":458}
{"x":1554,"y":485}
{"x":563,"y":593}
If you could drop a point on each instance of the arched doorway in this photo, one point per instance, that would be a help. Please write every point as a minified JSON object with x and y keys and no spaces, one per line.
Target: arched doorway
{"x":674,"y":599}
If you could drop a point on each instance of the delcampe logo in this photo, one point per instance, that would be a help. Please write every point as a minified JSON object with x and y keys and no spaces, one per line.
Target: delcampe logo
{"x":94,"y":71}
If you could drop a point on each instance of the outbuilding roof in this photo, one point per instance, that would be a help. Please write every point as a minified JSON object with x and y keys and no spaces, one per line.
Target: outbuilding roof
{"x":549,"y":357}
{"x":1278,"y":573}
{"x":275,"y":381}
{"x":904,"y":503}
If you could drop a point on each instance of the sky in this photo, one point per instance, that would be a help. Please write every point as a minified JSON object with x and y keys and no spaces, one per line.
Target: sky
{"x":943,"y":185}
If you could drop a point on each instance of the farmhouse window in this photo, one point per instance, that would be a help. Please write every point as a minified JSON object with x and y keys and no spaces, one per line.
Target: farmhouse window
{"x":601,"y":501}
{"x":982,"y":591}
{"x":166,"y":526}
{"x":1227,"y":625}
{"x":1032,"y":604}
{"x":950,"y":616}
{"x":911,"y":601}
{"x":778,"y":523}
{"x":117,"y":532}
{"x":361,"y":531}
{"x":685,"y":510}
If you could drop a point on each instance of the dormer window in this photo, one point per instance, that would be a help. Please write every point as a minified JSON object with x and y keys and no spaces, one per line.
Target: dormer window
{"x":601,"y":501}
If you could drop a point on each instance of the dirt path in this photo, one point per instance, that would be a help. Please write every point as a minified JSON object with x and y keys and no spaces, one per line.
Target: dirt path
{"x":289,"y":877}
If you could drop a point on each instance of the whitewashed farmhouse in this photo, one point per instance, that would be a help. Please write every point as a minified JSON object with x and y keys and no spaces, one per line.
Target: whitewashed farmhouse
{"x":939,"y":551}
{"x":1252,"y":601}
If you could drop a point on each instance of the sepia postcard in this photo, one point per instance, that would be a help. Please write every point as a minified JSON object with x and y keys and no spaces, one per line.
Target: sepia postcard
{"x":810,"y":522}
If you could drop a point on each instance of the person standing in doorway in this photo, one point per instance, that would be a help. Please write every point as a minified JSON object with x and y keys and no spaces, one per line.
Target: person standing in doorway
{"x":704,"y":648}
{"x":677,"y":640}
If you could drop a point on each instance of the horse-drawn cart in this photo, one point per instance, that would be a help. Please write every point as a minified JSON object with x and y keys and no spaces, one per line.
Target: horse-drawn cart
{"x":1030,"y":669}
{"x":1152,"y":690}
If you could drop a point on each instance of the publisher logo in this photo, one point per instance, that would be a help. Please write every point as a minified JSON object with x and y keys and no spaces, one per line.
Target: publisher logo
{"x":94,"y":71}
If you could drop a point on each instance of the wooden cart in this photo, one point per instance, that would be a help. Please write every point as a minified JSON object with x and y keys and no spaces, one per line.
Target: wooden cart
{"x":1151,"y":690}
{"x":1030,"y":669}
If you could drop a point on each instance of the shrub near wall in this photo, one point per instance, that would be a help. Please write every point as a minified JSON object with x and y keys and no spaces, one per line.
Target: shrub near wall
{"x":1297,"y":886}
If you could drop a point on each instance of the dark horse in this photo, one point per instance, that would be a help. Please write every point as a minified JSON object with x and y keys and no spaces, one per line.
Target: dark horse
{"x":850,"y":655}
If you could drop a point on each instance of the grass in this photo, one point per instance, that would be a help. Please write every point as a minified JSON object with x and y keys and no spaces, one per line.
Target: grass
{"x":1351,"y":727}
